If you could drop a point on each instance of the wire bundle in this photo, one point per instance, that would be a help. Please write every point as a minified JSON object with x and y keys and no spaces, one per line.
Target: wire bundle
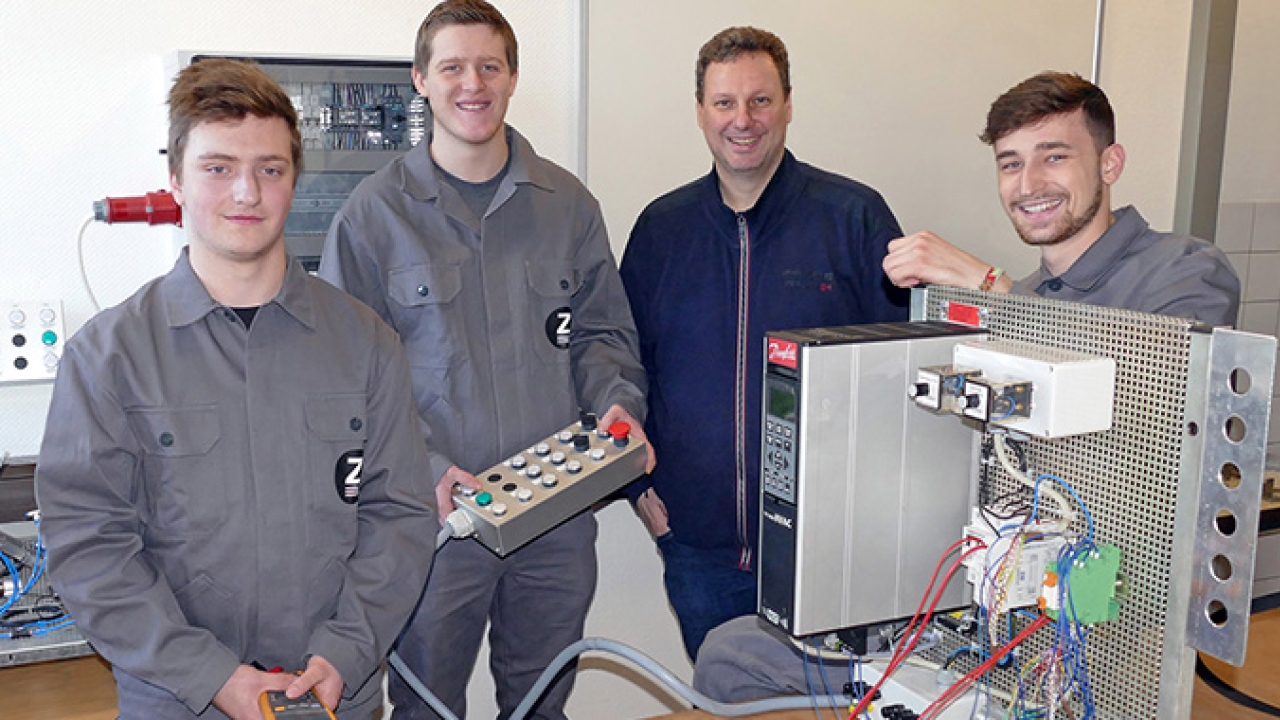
{"x":40,"y":617}
{"x":920,"y":621}
{"x":1061,"y":673}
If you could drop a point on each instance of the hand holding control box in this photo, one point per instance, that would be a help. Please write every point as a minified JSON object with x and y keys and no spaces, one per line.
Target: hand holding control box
{"x":550,"y":482}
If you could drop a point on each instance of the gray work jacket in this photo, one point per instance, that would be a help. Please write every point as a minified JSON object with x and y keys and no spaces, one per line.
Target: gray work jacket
{"x":214,"y":495}
{"x":510,"y":325}
{"x":1134,"y":267}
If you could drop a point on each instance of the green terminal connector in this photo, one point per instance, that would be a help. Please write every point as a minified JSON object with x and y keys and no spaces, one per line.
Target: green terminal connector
{"x":1093,"y":581}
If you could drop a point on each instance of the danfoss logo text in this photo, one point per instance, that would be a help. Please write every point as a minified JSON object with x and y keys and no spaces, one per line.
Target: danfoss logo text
{"x":783,"y":352}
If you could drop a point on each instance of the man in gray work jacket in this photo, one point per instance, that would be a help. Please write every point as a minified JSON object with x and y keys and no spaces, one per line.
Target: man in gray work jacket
{"x":493,"y":265}
{"x":1056,"y":154}
{"x":231,"y":472}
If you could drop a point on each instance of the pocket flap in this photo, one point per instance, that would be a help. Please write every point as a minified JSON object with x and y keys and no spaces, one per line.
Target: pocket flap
{"x":553,"y":279}
{"x":424,"y":284}
{"x":175,"y":432}
{"x":337,"y":417}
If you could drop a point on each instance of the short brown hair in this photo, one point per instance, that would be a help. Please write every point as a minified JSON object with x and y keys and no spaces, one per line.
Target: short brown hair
{"x":729,"y":43}
{"x":1048,"y":94}
{"x":218,"y":89}
{"x":463,"y":12}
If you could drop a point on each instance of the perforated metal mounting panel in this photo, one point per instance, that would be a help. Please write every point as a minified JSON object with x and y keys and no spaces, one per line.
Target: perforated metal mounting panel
{"x":1142,"y":481}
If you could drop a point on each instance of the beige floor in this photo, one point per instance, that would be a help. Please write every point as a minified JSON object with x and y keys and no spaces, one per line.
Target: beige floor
{"x":82,"y":689}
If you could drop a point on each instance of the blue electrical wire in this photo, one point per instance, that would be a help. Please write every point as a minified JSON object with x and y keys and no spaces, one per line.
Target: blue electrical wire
{"x":20,"y":589}
{"x":1035,"y":502}
{"x":822,"y":668}
{"x":1009,"y":413}
{"x":808,"y":681}
{"x":17,"y":583}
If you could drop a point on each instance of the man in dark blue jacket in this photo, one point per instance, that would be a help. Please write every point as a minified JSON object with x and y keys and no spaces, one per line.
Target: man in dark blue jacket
{"x":763,"y":242}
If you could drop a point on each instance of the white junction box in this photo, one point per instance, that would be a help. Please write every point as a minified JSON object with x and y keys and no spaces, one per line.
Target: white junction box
{"x":33,"y":340}
{"x":1066,"y":392}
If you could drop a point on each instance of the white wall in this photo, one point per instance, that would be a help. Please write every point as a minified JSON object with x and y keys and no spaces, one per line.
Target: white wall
{"x":1251,"y":170}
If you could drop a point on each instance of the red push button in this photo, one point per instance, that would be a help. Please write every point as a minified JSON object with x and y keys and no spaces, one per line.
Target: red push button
{"x":619,"y":432}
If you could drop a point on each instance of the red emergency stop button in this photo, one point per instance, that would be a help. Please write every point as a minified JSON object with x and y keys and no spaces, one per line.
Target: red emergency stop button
{"x":620,"y":431}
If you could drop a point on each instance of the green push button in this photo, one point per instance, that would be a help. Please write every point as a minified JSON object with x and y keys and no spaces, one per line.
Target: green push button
{"x":483,"y":499}
{"x":49,"y":338}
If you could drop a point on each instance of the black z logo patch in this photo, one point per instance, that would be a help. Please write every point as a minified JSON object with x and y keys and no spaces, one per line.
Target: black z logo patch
{"x":558,"y":325}
{"x":346,"y":475}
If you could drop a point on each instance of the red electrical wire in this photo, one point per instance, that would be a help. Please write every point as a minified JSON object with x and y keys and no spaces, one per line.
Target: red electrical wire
{"x":957,"y":689}
{"x":905,"y":648}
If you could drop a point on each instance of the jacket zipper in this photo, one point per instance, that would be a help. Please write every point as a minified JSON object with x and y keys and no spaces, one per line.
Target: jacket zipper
{"x":740,"y":393}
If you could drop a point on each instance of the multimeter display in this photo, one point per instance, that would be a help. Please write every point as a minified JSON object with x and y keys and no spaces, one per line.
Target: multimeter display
{"x":275,"y":706}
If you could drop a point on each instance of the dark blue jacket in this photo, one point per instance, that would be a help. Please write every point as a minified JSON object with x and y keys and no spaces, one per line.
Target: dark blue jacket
{"x":815,"y":244}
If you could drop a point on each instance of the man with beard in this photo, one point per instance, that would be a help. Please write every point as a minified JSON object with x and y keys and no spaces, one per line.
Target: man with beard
{"x":1056,"y":159}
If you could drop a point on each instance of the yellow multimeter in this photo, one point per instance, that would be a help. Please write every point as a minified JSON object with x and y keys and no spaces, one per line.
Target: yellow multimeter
{"x":275,"y":706}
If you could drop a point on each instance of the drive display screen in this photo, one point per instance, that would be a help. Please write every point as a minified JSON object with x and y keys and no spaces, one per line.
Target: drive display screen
{"x":782,"y":400}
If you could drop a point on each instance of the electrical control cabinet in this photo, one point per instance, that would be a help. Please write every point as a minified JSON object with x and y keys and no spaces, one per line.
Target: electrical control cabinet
{"x":862,"y":490}
{"x":355,"y":116}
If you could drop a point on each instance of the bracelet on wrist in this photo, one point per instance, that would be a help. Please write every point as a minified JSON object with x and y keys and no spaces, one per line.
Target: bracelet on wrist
{"x":993,"y":276}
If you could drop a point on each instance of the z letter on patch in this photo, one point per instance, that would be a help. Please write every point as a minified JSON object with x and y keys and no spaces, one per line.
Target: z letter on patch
{"x":346,"y":475}
{"x":557,"y":326}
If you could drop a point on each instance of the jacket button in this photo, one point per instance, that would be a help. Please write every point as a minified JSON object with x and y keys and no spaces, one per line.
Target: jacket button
{"x":564,"y":284}
{"x":355,"y":424}
{"x":1054,"y":285}
{"x":422,"y":290}
{"x":166,"y":439}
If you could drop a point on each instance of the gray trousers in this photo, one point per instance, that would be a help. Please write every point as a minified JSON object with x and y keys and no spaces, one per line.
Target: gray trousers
{"x":536,"y":602}
{"x":740,"y":661}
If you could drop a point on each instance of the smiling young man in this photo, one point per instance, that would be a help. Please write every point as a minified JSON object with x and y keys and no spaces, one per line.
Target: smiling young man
{"x":762,"y":242}
{"x":1056,"y":160}
{"x":230,"y":472}
{"x":493,"y":265}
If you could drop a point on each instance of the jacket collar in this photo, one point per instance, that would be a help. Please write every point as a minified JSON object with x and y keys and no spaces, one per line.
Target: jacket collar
{"x":1092,"y":267}
{"x":420,"y":176}
{"x":777,"y":198}
{"x":186,"y":300}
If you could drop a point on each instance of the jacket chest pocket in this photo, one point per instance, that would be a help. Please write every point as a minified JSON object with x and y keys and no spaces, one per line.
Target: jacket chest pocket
{"x":426,"y":313}
{"x":552,"y":285}
{"x":189,"y":486}
{"x":336,"y":433}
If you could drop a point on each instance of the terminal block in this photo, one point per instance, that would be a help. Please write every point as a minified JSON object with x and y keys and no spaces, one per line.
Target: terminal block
{"x":1092,"y":581}
{"x":1010,"y":572}
{"x":550,"y":482}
